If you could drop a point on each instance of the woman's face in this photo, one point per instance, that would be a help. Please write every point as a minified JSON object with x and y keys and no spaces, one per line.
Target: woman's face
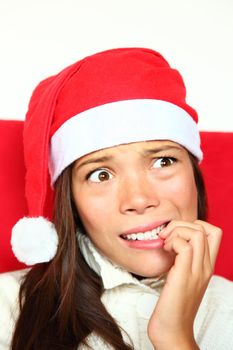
{"x":126,"y":194}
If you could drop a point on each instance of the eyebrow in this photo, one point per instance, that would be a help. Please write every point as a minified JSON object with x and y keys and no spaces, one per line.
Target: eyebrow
{"x":96,"y":160}
{"x":161,"y":149}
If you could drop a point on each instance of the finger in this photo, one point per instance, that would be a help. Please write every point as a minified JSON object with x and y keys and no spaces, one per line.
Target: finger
{"x":212,"y":232}
{"x":198,"y":241}
{"x":184,"y":254}
{"x":214,"y":236}
{"x":178,"y":223}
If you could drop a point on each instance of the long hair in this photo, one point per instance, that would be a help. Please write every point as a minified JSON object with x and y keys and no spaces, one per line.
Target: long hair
{"x":60,"y":301}
{"x":202,"y":204}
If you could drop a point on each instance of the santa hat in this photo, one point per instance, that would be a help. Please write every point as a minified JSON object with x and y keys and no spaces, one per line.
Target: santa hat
{"x":110,"y":98}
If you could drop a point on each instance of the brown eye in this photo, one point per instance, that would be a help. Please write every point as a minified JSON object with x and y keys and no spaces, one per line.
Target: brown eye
{"x":163,"y":162}
{"x":100,"y":176}
{"x":103,"y":176}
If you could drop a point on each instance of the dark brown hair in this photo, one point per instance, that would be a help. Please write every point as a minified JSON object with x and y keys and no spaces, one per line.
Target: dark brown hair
{"x":60,"y":301}
{"x":202,"y":205}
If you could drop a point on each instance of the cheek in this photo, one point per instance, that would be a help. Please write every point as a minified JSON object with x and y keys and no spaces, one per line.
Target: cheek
{"x":183,"y":193}
{"x":93,"y":211}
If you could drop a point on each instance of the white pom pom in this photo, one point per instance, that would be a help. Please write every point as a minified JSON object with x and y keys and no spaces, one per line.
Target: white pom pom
{"x":34,"y":240}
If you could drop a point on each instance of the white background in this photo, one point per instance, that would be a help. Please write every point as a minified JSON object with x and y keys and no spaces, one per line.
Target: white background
{"x":40,"y":37}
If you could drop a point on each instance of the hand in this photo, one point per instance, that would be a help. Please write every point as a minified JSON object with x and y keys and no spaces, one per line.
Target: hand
{"x":195,"y":246}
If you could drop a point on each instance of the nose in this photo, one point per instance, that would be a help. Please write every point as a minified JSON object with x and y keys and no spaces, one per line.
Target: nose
{"x":138,"y":195}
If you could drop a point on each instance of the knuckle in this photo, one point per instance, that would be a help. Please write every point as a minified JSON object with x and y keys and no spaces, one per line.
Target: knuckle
{"x":199,"y":235}
{"x":187,"y":248}
{"x":209,"y":271}
{"x":199,"y":227}
{"x":219,"y":231}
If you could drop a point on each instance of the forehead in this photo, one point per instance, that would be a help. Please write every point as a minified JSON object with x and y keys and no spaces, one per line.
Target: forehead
{"x":138,"y":147}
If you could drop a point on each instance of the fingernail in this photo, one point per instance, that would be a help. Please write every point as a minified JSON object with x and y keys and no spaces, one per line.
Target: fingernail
{"x":163,"y":233}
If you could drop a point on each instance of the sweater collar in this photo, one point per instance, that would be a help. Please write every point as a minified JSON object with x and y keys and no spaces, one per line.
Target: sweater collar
{"x":111,"y":274}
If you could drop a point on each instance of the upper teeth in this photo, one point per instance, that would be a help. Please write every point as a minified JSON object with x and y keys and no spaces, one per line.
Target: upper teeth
{"x":153,"y":234}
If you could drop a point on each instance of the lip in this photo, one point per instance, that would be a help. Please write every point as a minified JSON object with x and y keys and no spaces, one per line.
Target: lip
{"x":145,"y":245}
{"x":144,"y":228}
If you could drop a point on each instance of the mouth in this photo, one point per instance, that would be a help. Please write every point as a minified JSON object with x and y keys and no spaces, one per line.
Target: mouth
{"x":146,"y":235}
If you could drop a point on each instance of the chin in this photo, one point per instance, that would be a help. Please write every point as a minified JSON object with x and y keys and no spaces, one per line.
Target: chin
{"x":154,"y":273}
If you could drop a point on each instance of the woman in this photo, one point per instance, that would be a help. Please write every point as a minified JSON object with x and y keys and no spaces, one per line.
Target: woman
{"x":112,"y":151}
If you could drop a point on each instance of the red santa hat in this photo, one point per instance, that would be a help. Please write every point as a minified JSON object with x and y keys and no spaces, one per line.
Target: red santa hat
{"x":107,"y":99}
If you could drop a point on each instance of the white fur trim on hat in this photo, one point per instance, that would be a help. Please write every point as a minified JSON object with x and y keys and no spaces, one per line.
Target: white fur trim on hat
{"x":34,"y":240}
{"x":118,"y":123}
